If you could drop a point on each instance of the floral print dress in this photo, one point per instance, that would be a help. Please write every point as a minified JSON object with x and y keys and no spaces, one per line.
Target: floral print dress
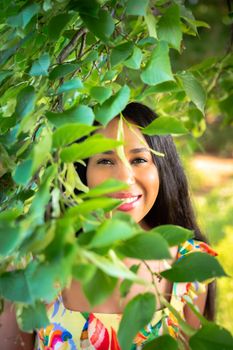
{"x":72,"y":330}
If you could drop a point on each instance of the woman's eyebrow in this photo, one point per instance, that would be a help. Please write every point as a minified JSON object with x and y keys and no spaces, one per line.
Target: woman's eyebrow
{"x":139,"y":150}
{"x":133,"y":150}
{"x":107,"y":152}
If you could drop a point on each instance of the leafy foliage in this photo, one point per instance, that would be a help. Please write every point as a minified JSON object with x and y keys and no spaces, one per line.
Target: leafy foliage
{"x":139,"y":312}
{"x":181,"y":272}
{"x":64,"y":65}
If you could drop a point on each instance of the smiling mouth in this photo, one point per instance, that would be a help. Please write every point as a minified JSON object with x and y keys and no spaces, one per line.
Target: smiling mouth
{"x":130,"y":199}
{"x":128,"y":203}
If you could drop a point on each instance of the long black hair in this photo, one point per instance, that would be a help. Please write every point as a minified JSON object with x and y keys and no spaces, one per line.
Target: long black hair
{"x":173,"y":204}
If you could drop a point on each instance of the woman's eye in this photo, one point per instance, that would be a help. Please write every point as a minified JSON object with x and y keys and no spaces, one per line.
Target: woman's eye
{"x":105,"y":161}
{"x":139,"y":161}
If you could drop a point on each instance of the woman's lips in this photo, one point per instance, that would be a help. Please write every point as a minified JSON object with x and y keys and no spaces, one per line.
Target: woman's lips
{"x":129,"y":201}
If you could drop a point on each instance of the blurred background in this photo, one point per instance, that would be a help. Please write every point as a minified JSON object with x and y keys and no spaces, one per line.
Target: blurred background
{"x":209,"y":164}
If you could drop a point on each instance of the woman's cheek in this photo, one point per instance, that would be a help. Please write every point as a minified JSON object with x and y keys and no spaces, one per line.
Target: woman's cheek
{"x":96,"y":175}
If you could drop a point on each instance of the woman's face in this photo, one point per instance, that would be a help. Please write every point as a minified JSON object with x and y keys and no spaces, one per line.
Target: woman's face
{"x":141,"y":175}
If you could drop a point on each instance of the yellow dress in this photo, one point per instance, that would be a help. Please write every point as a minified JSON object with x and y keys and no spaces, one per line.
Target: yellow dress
{"x":72,"y":330}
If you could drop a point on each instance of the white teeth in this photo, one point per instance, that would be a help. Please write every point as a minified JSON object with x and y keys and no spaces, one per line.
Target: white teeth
{"x":129,"y":200}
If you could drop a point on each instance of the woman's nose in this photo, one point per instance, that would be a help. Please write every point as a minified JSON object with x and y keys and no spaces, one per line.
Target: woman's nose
{"x":125,"y":173}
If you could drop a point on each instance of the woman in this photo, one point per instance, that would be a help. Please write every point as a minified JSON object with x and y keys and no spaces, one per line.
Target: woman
{"x":157,"y":194}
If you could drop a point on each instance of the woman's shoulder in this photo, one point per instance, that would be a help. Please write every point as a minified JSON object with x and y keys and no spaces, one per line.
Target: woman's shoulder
{"x":194,"y":245}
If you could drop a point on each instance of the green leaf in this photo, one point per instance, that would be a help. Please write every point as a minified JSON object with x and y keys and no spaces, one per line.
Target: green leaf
{"x":120,"y":53}
{"x":163,"y":342}
{"x":109,"y":75}
{"x":83,"y":272}
{"x":77,"y":114}
{"x":113,"y":106}
{"x":13,"y":286}
{"x":6,"y":161}
{"x":169,"y":27}
{"x":158,"y":69}
{"x":25,"y":102}
{"x":168,"y":86}
{"x":102,"y":26}
{"x":93,"y":145}
{"x":146,"y":246}
{"x":7,"y":216}
{"x":88,"y":7}
{"x":112,"y":266}
{"x":32,"y":317}
{"x":41,"y":66}
{"x":211,"y":336}
{"x":69,"y":133}
{"x":100,"y":93}
{"x":62,"y":70}
{"x":89,"y":229}
{"x":41,"y":150}
{"x":194,"y":90}
{"x":41,"y":199}
{"x":138,"y":313}
{"x":120,"y":230}
{"x":106,"y":187}
{"x":38,"y":156}
{"x":7,"y":53}
{"x":11,"y":236}
{"x":57,"y":24}
{"x":99,"y":287}
{"x":92,"y":56}
{"x":73,"y":180}
{"x":126,"y":284}
{"x":24,"y":17}
{"x":23,"y":172}
{"x":38,"y":276}
{"x":70,"y":85}
{"x":164,"y":126}
{"x":47,"y":5}
{"x":91,"y":205}
{"x":41,"y":237}
{"x":150,"y":20}
{"x":173,"y":234}
{"x":4,"y":74}
{"x":136,"y":8}
{"x":147,"y":41}
{"x":7,"y":123}
{"x":24,"y":286}
{"x":134,"y":62}
{"x":204,"y":266}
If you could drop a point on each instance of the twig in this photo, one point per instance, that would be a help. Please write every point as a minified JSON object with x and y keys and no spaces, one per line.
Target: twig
{"x":71,"y":45}
{"x":82,"y":45}
{"x":36,"y":129}
{"x":89,"y":48}
{"x":153,"y":274}
{"x":90,"y":72}
{"x":79,"y":54}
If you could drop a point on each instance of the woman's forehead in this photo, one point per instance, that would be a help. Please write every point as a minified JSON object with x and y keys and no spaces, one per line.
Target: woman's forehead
{"x":131,"y":132}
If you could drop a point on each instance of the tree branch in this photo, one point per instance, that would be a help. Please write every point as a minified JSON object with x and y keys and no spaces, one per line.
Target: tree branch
{"x":70,"y":46}
{"x":82,"y":45}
